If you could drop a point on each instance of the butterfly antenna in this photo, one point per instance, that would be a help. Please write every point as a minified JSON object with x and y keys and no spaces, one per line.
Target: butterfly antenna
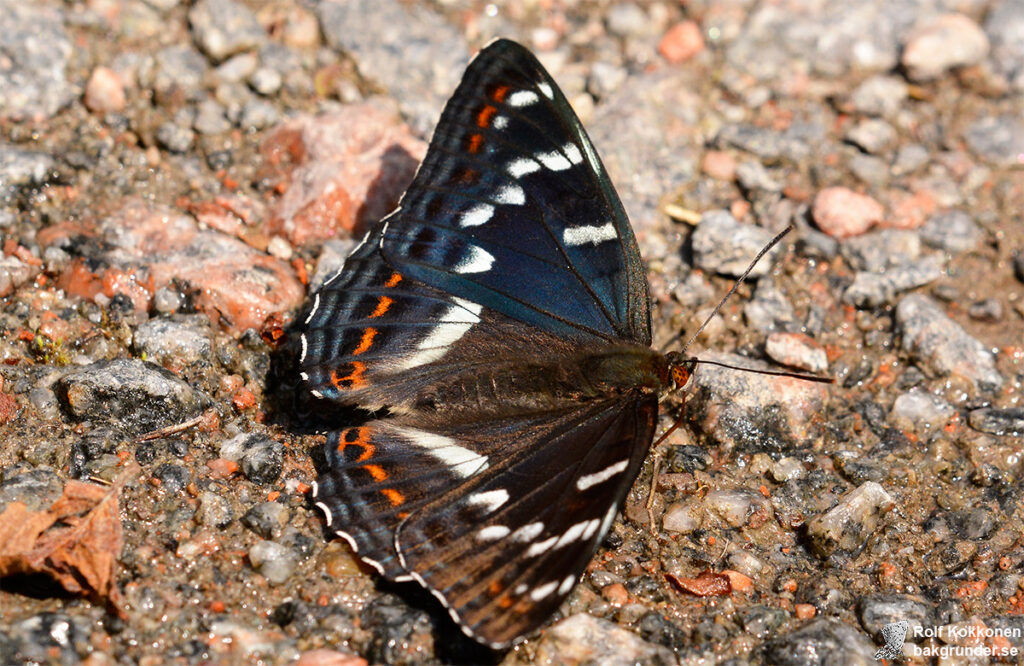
{"x":736,"y":285}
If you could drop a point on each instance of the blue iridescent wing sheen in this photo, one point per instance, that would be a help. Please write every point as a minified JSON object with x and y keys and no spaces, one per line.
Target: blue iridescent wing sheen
{"x":512,"y":209}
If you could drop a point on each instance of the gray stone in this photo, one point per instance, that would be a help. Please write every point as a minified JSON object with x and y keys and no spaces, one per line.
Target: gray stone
{"x":408,"y":49}
{"x":770,"y":310}
{"x":37,"y":489}
{"x":222,"y":28}
{"x":20,"y":168}
{"x":879,"y":610}
{"x":185,"y":341}
{"x":585,"y":639}
{"x":605,"y":78}
{"x":999,"y":140}
{"x":918,"y":410}
{"x":998,"y":421}
{"x":879,"y":95}
{"x":871,"y":290}
{"x":872,"y":135}
{"x":752,"y":175}
{"x":821,"y":642}
{"x":33,"y":68}
{"x":266,"y":519}
{"x":136,"y":395}
{"x":174,"y":71}
{"x":258,"y":114}
{"x":266,"y":81}
{"x":275,"y":562}
{"x":941,"y":346}
{"x":948,"y":41}
{"x":846,"y":526}
{"x":214,"y":510}
{"x":1004,"y":25}
{"x":877,"y":251}
{"x":175,"y":138}
{"x":723,"y":245}
{"x":751,"y":412}
{"x":738,"y":507}
{"x":952,"y":231}
{"x":626,"y":19}
{"x":210,"y":118}
{"x":262,"y":460}
{"x":909,"y":159}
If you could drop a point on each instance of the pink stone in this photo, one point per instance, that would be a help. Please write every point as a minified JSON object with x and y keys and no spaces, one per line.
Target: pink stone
{"x":681,"y":42}
{"x":324,"y":657}
{"x":104,"y":93}
{"x":142,"y":247}
{"x":342,"y":170}
{"x":841,"y":213}
{"x":797,"y":350}
{"x":720,"y":165}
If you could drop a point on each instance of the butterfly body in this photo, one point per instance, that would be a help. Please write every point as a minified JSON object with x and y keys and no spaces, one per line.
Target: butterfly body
{"x":494,"y":333}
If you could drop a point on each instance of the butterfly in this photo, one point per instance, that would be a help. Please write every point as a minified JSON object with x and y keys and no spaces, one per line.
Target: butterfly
{"x":494,"y":333}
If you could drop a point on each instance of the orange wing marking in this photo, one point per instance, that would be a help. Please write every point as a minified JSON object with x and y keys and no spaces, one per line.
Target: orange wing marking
{"x":382,"y":306}
{"x":366,"y":342}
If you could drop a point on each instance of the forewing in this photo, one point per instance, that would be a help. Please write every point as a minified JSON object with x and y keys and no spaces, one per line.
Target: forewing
{"x":512,"y":209}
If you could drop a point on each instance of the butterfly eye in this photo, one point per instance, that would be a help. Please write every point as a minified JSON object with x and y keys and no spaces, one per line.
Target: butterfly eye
{"x":681,"y":373}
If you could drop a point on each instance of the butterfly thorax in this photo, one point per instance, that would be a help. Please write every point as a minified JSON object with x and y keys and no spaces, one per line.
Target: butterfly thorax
{"x":548,"y":382}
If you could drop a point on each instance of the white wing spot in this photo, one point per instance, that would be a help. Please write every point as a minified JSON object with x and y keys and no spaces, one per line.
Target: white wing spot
{"x":304,"y":376}
{"x":511,"y":195}
{"x":543,"y":591}
{"x":573,"y":533}
{"x":305,"y":347}
{"x":608,"y":472}
{"x":499,"y":122}
{"x":541,"y":546}
{"x":493,"y":533}
{"x":459,"y":459}
{"x":572,"y":152}
{"x":520,"y":588}
{"x":478,"y":260}
{"x":477,"y":215}
{"x":454,"y":323}
{"x":591,"y":529}
{"x":312,"y":311}
{"x":327,"y":513}
{"x":491,"y":499}
{"x":522,"y":166}
{"x":567,"y":584}
{"x":528,"y":532}
{"x":606,"y":522}
{"x":575,"y":236}
{"x":546,"y":89}
{"x":554,"y":160}
{"x":522,"y":98}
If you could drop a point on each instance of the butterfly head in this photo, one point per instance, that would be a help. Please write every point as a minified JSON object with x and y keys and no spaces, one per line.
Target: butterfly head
{"x":680,"y":369}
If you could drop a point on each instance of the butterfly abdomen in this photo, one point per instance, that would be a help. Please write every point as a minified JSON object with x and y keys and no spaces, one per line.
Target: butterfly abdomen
{"x":546,"y":384}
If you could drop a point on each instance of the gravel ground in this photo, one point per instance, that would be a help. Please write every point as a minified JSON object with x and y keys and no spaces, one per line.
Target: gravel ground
{"x":176,"y":177}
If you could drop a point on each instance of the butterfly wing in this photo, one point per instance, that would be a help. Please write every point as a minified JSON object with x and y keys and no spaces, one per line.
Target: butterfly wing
{"x":497,"y":518}
{"x":512,"y":209}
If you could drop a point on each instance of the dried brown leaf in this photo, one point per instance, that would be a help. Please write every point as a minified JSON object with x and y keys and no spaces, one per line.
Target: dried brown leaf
{"x":77,"y":541}
{"x":707,"y":584}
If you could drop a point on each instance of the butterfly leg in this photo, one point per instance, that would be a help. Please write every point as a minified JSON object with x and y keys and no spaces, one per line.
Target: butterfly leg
{"x":657,"y":464}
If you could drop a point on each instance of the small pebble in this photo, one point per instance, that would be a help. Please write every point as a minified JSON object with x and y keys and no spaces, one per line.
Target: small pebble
{"x":723,"y":245}
{"x":266,"y":81}
{"x":872,"y":135}
{"x":681,"y":42}
{"x":989,"y":310}
{"x":275,"y":562}
{"x":998,"y":421}
{"x":796,"y":350}
{"x":843,"y":213}
{"x":952,"y":231}
{"x":879,"y":95}
{"x":682,"y":517}
{"x":848,"y":525}
{"x":104,"y":93}
{"x":948,"y":41}
{"x":918,"y":410}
